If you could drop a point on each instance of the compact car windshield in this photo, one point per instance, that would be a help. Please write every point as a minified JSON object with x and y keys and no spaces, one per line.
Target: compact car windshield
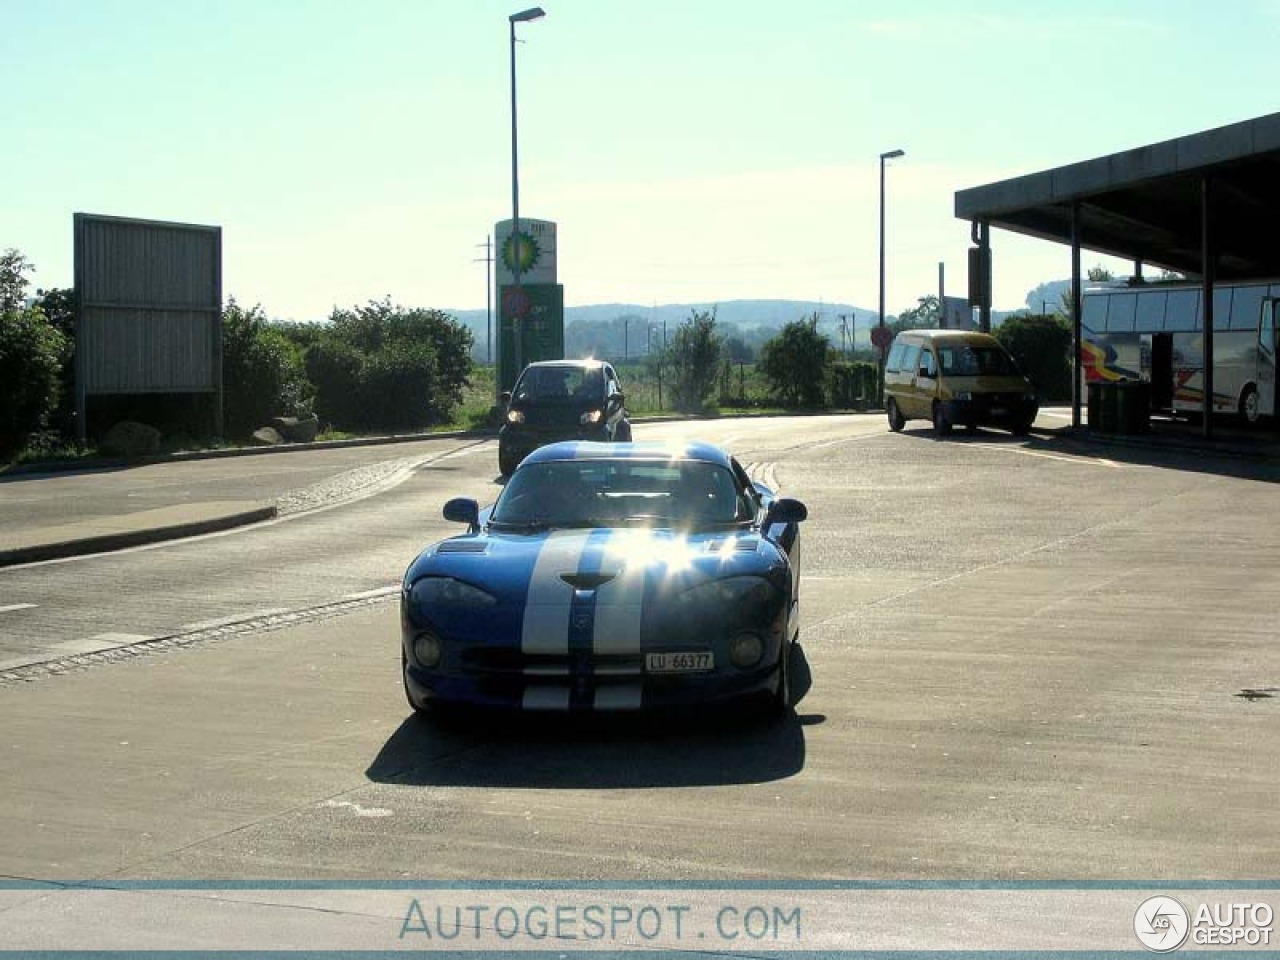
{"x":966,"y":361}
{"x":558,"y":383}
{"x":587,"y":493}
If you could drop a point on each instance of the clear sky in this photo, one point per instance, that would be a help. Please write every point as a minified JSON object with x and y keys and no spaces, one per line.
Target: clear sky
{"x":689,"y":150}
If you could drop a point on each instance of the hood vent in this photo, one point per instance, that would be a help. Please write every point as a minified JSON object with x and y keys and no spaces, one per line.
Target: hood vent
{"x":587,"y":581}
{"x":461,"y":546}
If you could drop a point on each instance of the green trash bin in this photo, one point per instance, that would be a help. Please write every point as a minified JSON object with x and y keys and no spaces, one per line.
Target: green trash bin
{"x":1103,"y":407}
{"x":1133,"y":407}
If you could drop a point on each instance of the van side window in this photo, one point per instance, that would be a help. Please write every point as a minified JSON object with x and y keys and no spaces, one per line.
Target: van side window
{"x":894,"y":363}
{"x":929,"y":364}
{"x":911,"y":358}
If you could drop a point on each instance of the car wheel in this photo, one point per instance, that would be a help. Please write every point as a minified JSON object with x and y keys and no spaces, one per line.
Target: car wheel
{"x":1249,"y":405}
{"x":507,"y":461}
{"x":941,"y":425}
{"x":896,"y":420}
{"x":780,"y":702}
{"x":1022,"y":428}
{"x":419,"y":709}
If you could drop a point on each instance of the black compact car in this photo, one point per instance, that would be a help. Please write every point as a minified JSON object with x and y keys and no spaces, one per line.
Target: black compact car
{"x":561,"y":400}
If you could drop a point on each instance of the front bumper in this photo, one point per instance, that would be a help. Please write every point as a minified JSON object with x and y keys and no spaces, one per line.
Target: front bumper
{"x":996,"y":409}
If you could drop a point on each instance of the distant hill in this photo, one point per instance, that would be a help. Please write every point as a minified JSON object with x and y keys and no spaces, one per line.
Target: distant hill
{"x":612,"y":329}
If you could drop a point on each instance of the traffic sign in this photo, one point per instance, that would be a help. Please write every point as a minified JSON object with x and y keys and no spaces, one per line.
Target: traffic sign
{"x":881,"y":337}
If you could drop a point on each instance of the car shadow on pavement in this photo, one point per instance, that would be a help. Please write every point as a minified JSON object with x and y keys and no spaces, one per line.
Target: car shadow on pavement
{"x":598,"y":752}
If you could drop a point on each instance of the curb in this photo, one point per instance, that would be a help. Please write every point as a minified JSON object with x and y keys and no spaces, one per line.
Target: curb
{"x":132,"y":538}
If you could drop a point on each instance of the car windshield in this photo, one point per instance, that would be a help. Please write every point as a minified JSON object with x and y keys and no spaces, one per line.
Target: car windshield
{"x":963,"y":360}
{"x":603,"y":493}
{"x":559,"y":383}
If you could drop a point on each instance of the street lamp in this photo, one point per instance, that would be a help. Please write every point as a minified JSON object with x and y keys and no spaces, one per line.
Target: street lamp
{"x":891,"y":155}
{"x":533,"y":13}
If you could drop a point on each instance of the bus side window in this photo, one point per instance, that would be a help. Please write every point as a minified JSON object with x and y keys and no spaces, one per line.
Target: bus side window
{"x":1267,"y":330}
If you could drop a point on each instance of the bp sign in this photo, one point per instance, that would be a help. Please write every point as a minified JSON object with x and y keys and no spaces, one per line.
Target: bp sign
{"x":541,"y":328}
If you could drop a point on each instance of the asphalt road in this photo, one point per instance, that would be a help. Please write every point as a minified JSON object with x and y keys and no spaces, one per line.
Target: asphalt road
{"x":1026,"y":660}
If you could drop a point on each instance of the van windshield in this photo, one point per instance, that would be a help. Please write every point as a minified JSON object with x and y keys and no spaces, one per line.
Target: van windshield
{"x":963,"y":360}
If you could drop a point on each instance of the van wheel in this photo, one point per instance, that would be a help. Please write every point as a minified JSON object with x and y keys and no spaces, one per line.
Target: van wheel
{"x":941,"y":425}
{"x":1249,"y":405}
{"x":896,"y":420}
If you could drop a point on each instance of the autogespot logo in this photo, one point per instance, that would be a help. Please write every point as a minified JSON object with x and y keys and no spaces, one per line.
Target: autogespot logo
{"x":1161,"y":924}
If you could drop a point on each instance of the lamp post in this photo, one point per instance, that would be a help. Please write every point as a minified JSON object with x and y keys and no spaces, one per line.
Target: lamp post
{"x":533,"y":13}
{"x":891,"y":155}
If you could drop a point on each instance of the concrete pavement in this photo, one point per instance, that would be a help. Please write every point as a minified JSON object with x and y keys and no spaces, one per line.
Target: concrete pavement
{"x":56,"y":514}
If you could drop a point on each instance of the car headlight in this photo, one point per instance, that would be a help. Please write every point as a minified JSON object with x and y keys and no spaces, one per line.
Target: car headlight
{"x":963,"y":395}
{"x":515,"y":416}
{"x":449,"y":594}
{"x":591,"y":416}
{"x":747,"y":596}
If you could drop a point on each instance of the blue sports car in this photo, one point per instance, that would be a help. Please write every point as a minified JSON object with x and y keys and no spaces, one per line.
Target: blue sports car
{"x":608,"y":577}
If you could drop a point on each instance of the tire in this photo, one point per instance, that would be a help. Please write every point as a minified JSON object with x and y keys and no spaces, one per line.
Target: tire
{"x":421,"y":711}
{"x":1250,"y":405}
{"x":780,"y":701}
{"x":1021,"y":428}
{"x":941,"y":425}
{"x":896,"y":420}
{"x":507,"y":462}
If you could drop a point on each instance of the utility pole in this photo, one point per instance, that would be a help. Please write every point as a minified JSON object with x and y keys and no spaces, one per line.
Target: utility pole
{"x":488,"y":294}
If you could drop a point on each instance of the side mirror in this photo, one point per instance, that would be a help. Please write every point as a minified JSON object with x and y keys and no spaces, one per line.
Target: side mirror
{"x":463,"y":510}
{"x":786,"y":510}
{"x":504,"y":397}
{"x":619,"y":398}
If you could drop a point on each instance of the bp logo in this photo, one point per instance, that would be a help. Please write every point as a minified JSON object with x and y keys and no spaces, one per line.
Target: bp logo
{"x":520,"y":252}
{"x":1161,"y":924}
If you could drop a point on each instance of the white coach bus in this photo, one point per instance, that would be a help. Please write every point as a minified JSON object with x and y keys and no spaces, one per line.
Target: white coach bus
{"x":1155,"y":332}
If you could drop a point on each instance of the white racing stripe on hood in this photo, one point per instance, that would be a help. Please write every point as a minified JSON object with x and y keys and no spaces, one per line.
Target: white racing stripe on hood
{"x":619,"y":604}
{"x":546,"y":609}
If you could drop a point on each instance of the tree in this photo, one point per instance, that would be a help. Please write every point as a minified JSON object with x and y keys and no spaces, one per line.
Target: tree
{"x":693,"y":359}
{"x":13,"y":280}
{"x":30,"y":373}
{"x":795,"y":362}
{"x":1042,"y":347}
{"x":925,"y":315}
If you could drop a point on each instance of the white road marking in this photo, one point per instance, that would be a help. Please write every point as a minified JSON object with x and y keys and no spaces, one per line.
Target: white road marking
{"x":17,"y":606}
{"x":358,"y":810}
{"x":369,"y":594}
{"x":1065,"y":458}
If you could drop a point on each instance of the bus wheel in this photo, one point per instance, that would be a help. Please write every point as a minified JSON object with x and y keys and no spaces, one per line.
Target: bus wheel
{"x":941,"y":425}
{"x":1249,"y":404}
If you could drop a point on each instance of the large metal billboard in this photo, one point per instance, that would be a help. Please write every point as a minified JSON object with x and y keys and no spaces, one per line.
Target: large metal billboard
{"x":535,"y":307}
{"x":148,"y":309}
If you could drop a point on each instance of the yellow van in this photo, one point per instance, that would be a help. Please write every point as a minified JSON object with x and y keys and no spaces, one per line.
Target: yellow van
{"x":953,"y":377}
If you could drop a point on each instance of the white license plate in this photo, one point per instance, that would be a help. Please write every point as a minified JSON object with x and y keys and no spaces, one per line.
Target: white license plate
{"x":684,"y":661}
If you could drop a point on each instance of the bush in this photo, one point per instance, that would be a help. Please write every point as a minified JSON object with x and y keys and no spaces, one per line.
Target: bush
{"x":262,"y":372}
{"x":334,"y":369}
{"x":853,"y":384}
{"x":395,"y":385}
{"x":30,"y":375}
{"x":795,"y":361}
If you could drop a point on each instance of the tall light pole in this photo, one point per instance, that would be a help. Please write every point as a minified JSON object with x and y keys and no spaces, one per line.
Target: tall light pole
{"x":533,"y":13}
{"x":891,"y":155}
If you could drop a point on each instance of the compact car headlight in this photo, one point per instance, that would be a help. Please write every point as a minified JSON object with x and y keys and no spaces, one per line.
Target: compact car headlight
{"x":746,"y":649}
{"x":446,"y":593}
{"x":427,"y":650}
{"x":591,"y":416}
{"x":515,"y":416}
